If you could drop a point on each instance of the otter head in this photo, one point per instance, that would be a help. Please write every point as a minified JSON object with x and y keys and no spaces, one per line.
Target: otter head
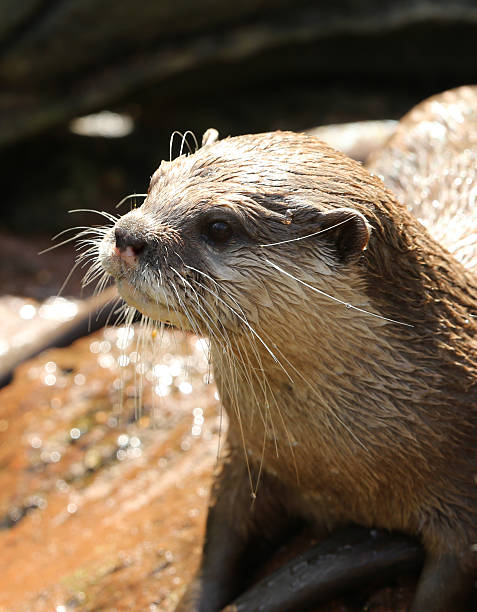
{"x":244,"y":232}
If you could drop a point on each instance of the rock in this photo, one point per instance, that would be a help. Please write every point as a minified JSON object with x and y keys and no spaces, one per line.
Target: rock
{"x":104,"y":491}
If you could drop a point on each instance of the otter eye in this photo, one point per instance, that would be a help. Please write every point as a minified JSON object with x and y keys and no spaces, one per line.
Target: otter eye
{"x":218,"y":232}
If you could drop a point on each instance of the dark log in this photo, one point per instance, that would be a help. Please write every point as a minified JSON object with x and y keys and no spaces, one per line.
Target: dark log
{"x":62,"y":58}
{"x":350,"y":558}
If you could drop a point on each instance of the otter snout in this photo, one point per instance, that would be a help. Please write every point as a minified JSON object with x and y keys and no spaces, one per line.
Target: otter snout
{"x":128,"y":245}
{"x":126,"y":239}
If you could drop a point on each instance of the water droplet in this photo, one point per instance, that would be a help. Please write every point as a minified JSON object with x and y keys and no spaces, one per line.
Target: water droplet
{"x":123,"y":361}
{"x":185,"y":444}
{"x":134,"y":453}
{"x":58,"y":309}
{"x":175,"y":367}
{"x":35,"y":441}
{"x":135,"y":442}
{"x":124,"y":337}
{"x":94,"y":347}
{"x":27,"y":311}
{"x":79,"y":380}
{"x":62,"y":485}
{"x":185,"y":387}
{"x":49,"y":379}
{"x":75,"y":433}
{"x":50,"y":367}
{"x":106,"y":361}
{"x":123,"y":440}
{"x":71,"y":508}
{"x":162,"y":390}
{"x":55,"y":456}
{"x":104,"y":346}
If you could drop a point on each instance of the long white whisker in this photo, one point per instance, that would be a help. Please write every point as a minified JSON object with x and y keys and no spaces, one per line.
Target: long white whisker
{"x":184,"y":140}
{"x":103,"y":213}
{"x":334,"y":299}
{"x":171,"y":141}
{"x":244,"y":320}
{"x":128,"y":197}
{"x":327,"y":229}
{"x":90,"y":231}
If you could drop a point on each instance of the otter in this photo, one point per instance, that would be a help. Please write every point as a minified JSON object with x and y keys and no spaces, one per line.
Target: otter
{"x":343,"y":339}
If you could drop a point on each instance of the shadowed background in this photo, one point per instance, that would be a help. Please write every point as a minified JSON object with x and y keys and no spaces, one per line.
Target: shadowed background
{"x":241,"y":67}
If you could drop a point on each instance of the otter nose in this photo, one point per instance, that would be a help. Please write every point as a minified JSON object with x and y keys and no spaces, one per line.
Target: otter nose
{"x":125,"y":239}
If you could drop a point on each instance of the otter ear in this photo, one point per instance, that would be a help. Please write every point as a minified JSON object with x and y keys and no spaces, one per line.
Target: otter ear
{"x":348,"y":230}
{"x":209,"y":137}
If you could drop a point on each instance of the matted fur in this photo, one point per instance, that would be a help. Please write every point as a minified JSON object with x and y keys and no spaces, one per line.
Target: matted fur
{"x":346,"y":360}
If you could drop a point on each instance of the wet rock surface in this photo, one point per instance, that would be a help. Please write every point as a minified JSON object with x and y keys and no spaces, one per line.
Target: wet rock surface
{"x":105,"y":464}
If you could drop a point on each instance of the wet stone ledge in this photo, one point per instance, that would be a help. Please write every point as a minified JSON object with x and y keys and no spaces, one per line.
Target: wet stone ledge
{"x":105,"y":466}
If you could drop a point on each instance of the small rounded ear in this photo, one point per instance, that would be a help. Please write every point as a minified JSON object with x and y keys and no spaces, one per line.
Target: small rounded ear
{"x":209,"y":137}
{"x":348,"y":230}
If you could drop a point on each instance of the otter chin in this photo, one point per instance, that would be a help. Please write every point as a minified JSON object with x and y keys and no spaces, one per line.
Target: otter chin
{"x":123,"y":264}
{"x":343,"y":339}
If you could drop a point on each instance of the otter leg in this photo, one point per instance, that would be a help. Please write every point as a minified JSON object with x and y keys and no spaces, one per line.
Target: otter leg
{"x":240,"y":532}
{"x":444,"y":586}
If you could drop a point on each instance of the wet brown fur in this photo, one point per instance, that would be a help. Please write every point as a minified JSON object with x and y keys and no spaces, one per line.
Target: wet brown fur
{"x":353,"y":418}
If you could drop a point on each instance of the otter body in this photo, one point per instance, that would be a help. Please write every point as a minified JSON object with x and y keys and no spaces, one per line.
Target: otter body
{"x":344,"y":346}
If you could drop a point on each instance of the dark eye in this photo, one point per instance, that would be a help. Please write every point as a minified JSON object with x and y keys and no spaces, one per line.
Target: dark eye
{"x":218,"y":232}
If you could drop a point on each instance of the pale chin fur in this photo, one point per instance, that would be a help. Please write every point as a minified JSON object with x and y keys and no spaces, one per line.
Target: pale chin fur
{"x":153,"y":308}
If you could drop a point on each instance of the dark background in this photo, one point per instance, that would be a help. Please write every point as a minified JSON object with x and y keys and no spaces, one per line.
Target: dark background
{"x":247,"y":66}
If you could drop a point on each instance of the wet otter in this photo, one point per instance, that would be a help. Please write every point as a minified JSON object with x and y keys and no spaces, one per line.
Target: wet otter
{"x":344,"y":344}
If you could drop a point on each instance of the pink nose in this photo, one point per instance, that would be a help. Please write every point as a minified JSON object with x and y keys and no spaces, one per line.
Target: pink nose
{"x":128,"y":245}
{"x":125,"y":238}
{"x":127,"y":254}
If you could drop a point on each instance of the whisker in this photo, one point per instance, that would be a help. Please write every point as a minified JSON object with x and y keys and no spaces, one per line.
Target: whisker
{"x":103,"y":213}
{"x":171,"y":142}
{"x":327,"y":229}
{"x":84,"y":233}
{"x":184,"y":140}
{"x":334,"y":299}
{"x":70,"y":274}
{"x":128,"y":197}
{"x":233,"y":387}
{"x":244,"y":320}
